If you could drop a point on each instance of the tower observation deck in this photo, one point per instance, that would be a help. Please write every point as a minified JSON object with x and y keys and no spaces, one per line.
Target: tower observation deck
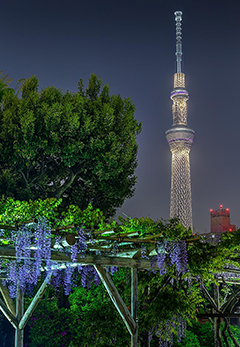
{"x":180,"y":138}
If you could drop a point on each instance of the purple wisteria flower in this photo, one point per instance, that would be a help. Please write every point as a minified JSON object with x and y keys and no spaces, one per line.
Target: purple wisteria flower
{"x":74,"y":252}
{"x":26,"y":271}
{"x":183,"y":254}
{"x":165,"y":329}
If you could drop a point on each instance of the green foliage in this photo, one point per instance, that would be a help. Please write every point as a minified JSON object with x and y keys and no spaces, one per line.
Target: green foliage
{"x":236,"y":332}
{"x":163,"y":298}
{"x":52,"y":327}
{"x":100,"y":322}
{"x":15,"y":212}
{"x":89,"y":217}
{"x":80,"y":147}
{"x":171,"y":230}
{"x":213,"y":258}
{"x":4,"y":82}
{"x":191,"y":340}
{"x":91,"y":320}
{"x":203,"y":331}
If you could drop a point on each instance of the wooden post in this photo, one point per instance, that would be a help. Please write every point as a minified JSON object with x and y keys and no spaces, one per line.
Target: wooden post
{"x":8,"y":301}
{"x":216,"y":332}
{"x":134,"y":286}
{"x":116,"y":299}
{"x":8,"y":314}
{"x":25,"y":317}
{"x":19,"y":314}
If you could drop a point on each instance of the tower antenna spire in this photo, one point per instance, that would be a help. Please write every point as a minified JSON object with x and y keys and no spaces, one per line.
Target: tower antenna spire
{"x":180,"y":139}
{"x":178,"y":19}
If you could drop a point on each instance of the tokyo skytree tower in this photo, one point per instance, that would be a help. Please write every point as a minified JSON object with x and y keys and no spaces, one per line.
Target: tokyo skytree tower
{"x":180,"y":139}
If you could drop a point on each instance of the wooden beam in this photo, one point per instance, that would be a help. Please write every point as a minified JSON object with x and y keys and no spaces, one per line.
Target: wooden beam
{"x":230,"y":301}
{"x":134,"y":287}
{"x":220,"y":315}
{"x":150,"y":237}
{"x":8,"y":227}
{"x":55,"y":230}
{"x":116,"y":299}
{"x":99,"y":232}
{"x":106,"y":250}
{"x":209,"y":297}
{"x":138,"y":254}
{"x":126,"y":239}
{"x":8,"y":301}
{"x":90,"y":259}
{"x":34,"y":302}
{"x":229,"y":270}
{"x":8,"y":314}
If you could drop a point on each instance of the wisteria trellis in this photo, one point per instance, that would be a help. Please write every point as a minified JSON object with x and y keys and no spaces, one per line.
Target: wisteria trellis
{"x":37,"y":238}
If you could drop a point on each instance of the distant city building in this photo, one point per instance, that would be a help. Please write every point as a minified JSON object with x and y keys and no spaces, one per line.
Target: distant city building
{"x":220,"y":220}
{"x":180,"y":138}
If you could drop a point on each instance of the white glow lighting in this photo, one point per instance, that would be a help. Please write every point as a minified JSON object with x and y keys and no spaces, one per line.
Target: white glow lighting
{"x":180,"y":139}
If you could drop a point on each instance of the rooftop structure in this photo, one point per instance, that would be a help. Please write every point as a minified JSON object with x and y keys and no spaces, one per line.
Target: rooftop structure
{"x":220,"y":220}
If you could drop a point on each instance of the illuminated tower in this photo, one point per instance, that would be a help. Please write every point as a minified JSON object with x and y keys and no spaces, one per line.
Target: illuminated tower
{"x":180,"y":139}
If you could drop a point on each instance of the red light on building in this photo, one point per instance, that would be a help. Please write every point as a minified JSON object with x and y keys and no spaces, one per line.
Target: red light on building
{"x":211,"y":210}
{"x":220,"y":220}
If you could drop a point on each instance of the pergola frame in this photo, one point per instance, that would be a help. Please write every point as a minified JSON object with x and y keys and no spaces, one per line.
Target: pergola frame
{"x":129,"y":256}
{"x":18,"y":318}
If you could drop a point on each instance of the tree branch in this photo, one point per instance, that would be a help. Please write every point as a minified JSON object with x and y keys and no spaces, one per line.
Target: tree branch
{"x":24,"y":178}
{"x":160,"y":288}
{"x":67,"y":184}
{"x":40,"y":174}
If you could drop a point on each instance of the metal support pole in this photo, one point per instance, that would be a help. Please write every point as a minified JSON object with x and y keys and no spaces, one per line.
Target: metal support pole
{"x":134,"y":286}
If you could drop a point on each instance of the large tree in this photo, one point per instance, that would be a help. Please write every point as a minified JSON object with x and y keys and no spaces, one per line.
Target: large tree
{"x":77,"y":146}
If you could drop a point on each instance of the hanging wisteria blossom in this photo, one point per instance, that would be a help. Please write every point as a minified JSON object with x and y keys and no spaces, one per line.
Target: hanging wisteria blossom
{"x":33,"y":259}
{"x":25,"y":270}
{"x":165,"y":330}
{"x":170,"y":253}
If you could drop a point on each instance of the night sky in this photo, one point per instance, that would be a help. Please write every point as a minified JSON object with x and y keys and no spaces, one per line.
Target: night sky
{"x":131,"y":45}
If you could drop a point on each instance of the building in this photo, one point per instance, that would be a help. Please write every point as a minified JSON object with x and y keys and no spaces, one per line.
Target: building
{"x":220,"y":220}
{"x":180,"y":139}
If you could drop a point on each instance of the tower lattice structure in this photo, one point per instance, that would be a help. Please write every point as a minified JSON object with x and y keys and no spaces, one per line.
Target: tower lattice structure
{"x":180,"y":138}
